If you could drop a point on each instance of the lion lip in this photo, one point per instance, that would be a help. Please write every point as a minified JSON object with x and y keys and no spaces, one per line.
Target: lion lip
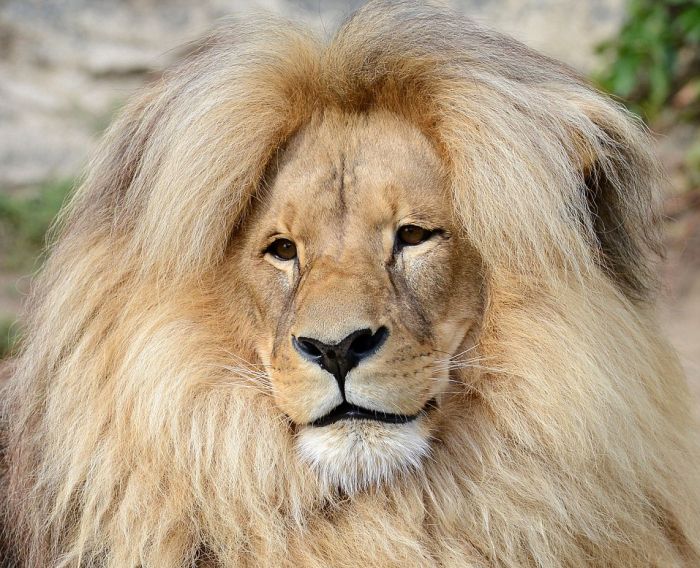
{"x":347,"y":411}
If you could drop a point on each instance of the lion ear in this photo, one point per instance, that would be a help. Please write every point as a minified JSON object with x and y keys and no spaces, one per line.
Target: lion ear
{"x":620,"y":180}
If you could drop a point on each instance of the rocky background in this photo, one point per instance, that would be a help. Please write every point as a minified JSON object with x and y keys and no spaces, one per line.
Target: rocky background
{"x":66,"y":66}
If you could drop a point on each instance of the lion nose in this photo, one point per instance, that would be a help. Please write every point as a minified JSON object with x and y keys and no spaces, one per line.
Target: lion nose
{"x":339,"y":358}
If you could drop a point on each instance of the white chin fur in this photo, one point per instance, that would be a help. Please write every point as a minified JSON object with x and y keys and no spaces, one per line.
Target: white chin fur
{"x":352,"y":455}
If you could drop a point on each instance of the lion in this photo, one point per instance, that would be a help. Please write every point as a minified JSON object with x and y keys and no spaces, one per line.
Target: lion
{"x":385,"y":299}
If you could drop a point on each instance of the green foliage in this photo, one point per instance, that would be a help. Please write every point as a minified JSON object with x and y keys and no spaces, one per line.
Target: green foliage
{"x":24,"y":221}
{"x":9,"y":336}
{"x":656,"y":53}
{"x":692,"y":164}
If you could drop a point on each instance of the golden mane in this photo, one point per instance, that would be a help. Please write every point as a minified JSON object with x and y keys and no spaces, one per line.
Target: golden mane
{"x":128,"y":443}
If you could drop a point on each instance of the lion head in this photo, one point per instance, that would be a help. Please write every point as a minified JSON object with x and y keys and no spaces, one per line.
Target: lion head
{"x":361,"y":288}
{"x":385,"y":299}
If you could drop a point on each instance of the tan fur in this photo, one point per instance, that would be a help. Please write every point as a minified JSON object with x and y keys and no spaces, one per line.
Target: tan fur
{"x":143,"y":425}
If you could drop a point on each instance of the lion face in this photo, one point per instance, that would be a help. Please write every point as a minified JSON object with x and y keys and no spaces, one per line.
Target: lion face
{"x":364,"y":288}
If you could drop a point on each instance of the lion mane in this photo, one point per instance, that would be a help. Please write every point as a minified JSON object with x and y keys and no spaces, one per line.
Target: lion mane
{"x":129,"y":439}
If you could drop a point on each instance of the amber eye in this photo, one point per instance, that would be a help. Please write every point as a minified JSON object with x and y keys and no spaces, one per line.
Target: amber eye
{"x":284,"y":249}
{"x":411,"y":235}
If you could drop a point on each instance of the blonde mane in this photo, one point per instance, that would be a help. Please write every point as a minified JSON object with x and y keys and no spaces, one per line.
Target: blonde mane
{"x":138,"y":431}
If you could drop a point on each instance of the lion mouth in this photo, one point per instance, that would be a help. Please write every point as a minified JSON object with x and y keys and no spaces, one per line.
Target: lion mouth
{"x":347,"y":411}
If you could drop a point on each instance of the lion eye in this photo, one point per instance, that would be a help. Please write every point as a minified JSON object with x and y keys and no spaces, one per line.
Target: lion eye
{"x":283,"y":249}
{"x":411,"y":235}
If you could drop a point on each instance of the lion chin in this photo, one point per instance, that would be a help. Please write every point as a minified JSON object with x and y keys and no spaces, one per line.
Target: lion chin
{"x":353,"y":455}
{"x":382,"y":299}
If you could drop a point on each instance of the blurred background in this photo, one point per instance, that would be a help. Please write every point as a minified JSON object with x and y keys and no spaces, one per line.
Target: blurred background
{"x":66,"y":67}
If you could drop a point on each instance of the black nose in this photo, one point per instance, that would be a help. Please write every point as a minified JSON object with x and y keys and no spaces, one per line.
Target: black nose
{"x":339,"y":358}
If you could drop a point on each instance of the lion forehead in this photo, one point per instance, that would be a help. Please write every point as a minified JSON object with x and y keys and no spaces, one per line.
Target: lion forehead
{"x":354,"y":172}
